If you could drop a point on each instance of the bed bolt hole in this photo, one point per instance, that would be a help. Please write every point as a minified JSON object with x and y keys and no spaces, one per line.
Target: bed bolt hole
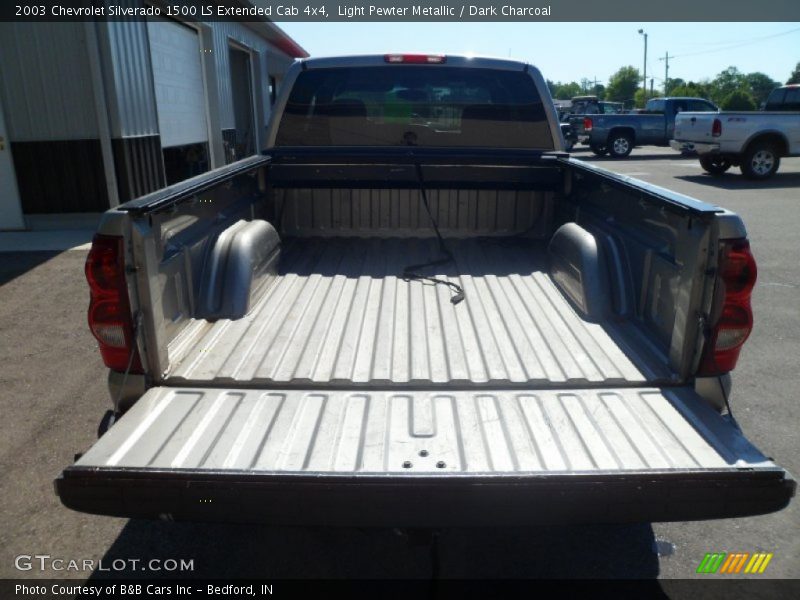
{"x":407,"y":464}
{"x":440,"y":465}
{"x":423,"y":453}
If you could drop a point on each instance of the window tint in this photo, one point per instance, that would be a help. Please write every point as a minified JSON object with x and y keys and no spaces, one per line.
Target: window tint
{"x":792,"y":99}
{"x":680,"y":106}
{"x":655,"y":106}
{"x":775,"y":99}
{"x":405,"y":105}
{"x":610,"y":108}
{"x":700,"y":106}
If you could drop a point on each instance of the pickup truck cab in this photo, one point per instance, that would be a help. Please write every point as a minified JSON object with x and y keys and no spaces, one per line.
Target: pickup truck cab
{"x":618,"y":134}
{"x":584,"y":105}
{"x":416,"y":310}
{"x":754,"y":140}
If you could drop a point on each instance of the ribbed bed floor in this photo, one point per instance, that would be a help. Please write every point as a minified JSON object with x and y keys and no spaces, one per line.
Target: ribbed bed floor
{"x":339,"y":312}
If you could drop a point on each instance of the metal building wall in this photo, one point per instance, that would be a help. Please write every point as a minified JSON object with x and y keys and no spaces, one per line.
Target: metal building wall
{"x":81,"y":109}
{"x":224,"y":33}
{"x":46,"y":82}
{"x":50,"y":111}
{"x":129,"y":65}
{"x":128,"y":79}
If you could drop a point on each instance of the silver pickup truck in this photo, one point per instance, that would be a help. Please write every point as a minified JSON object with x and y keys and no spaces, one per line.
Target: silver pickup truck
{"x":416,"y":310}
{"x":755,"y":141}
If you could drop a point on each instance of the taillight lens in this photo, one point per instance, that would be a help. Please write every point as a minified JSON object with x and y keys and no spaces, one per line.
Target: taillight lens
{"x":587,"y":124}
{"x":417,"y":59}
{"x":734,"y":323}
{"x":716,"y":128}
{"x":109,"y":310}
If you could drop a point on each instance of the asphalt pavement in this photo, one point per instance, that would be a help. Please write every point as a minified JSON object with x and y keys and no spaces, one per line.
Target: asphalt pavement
{"x":53,"y":393}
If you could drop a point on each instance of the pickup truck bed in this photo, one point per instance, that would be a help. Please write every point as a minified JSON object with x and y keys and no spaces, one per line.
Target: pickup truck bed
{"x":279,"y":353}
{"x":338,"y":312}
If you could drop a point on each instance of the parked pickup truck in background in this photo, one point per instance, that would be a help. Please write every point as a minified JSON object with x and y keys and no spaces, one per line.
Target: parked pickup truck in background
{"x":416,"y":310}
{"x":754,"y":141}
{"x":584,"y":105}
{"x":617,"y":135}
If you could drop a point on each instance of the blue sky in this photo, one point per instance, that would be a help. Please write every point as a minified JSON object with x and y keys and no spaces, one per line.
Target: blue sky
{"x":571,"y":51}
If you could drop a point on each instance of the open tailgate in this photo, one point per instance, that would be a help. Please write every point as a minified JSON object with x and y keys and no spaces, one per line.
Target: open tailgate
{"x":424,"y":458}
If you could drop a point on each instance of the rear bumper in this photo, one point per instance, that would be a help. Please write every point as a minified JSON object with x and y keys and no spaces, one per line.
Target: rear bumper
{"x":424,"y":501}
{"x":699,"y":147}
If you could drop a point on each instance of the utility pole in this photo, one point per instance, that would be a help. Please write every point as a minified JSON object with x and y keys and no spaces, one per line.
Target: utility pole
{"x":644,"y":78}
{"x":666,"y":58}
{"x":651,"y":87}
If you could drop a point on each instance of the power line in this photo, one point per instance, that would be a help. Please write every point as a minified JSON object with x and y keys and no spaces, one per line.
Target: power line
{"x":727,"y":42}
{"x":738,"y":45}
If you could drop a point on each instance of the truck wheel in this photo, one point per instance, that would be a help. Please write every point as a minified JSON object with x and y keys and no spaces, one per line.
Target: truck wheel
{"x":760,"y":161}
{"x":714,"y":164}
{"x":620,"y":145}
{"x":598,"y":149}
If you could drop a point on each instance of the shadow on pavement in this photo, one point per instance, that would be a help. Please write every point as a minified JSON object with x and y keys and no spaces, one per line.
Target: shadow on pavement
{"x":735,"y":181}
{"x":634,"y":156}
{"x":237,"y":551}
{"x":14,"y":264}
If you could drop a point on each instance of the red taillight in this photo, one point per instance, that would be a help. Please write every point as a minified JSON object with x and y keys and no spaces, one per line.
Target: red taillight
{"x":587,"y":124}
{"x":716,"y":128}
{"x":109,"y":310}
{"x":416,"y":59}
{"x":734,"y":323}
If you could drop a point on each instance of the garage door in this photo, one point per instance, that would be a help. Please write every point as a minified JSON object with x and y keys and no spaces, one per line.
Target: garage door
{"x":178,"y":78}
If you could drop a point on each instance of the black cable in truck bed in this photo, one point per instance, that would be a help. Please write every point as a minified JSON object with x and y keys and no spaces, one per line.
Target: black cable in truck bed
{"x":411,"y":272}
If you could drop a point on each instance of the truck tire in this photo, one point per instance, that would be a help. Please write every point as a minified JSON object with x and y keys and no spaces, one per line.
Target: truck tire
{"x":620,"y":144}
{"x":760,"y":161}
{"x":598,"y":149}
{"x":715,"y":164}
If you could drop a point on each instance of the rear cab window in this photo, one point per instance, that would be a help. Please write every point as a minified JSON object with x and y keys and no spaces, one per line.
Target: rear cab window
{"x":700,"y":106}
{"x":415,"y":105}
{"x":784,"y":99}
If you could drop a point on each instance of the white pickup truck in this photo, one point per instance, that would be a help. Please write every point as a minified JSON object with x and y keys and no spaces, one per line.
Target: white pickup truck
{"x":416,"y":310}
{"x":755,"y":141}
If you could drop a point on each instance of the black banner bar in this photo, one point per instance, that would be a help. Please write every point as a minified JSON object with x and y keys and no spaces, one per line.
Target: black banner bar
{"x":405,"y":10}
{"x":710,"y":587}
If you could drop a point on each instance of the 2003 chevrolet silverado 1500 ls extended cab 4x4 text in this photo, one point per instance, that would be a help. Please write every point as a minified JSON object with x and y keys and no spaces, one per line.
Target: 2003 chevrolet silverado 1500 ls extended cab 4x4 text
{"x":755,"y":141}
{"x":416,"y":310}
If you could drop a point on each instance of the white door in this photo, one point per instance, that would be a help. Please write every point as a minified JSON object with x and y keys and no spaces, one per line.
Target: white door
{"x":178,"y":78}
{"x":10,"y":208}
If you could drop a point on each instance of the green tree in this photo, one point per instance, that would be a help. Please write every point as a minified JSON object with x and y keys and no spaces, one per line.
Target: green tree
{"x":729,"y":80}
{"x":738,"y":100}
{"x":795,"y":76}
{"x":598,"y":90}
{"x":623,"y":84}
{"x":567,"y":90}
{"x":760,"y":85}
{"x":692,"y":89}
{"x":673,"y":83}
{"x":641,"y":99}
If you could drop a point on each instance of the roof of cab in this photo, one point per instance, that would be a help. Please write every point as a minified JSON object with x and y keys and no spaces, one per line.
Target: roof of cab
{"x":374,"y":60}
